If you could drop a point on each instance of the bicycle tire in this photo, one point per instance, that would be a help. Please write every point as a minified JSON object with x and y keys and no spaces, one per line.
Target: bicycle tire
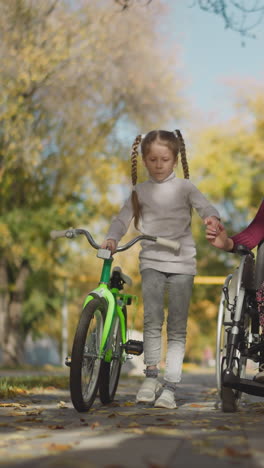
{"x":85,"y":358}
{"x":110,"y":371}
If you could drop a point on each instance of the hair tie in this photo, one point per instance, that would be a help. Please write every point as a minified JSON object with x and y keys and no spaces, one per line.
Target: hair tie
{"x":175,"y":133}
{"x":142,"y":137}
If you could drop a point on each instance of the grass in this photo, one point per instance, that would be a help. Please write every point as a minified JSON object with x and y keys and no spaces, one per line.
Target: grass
{"x":17,"y":386}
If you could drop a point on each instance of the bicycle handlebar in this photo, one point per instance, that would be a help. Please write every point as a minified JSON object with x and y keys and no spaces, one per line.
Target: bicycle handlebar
{"x":72,"y":233}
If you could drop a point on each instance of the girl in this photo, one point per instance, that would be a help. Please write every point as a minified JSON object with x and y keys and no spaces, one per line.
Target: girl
{"x":162,"y":206}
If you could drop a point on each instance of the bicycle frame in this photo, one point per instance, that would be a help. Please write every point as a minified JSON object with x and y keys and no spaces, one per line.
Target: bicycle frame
{"x":100,"y":343}
{"x":115,"y":301}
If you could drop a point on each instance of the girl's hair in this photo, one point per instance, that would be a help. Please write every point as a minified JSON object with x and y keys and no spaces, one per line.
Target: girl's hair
{"x":173,"y":140}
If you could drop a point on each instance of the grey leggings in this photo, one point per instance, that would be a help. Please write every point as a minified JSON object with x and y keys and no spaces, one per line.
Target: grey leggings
{"x":179,"y":286}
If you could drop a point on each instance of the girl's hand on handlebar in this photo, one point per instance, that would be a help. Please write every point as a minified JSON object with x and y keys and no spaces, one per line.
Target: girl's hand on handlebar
{"x":109,"y":244}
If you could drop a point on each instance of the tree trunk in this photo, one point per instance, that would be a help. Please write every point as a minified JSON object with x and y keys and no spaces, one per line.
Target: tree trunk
{"x":12,"y":340}
{"x":4,"y":301}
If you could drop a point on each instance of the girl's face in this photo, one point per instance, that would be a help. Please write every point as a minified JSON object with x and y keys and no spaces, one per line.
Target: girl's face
{"x":159,"y":161}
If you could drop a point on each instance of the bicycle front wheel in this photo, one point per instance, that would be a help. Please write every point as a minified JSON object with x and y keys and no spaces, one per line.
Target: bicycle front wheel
{"x":110,"y":371}
{"x":85,"y":358}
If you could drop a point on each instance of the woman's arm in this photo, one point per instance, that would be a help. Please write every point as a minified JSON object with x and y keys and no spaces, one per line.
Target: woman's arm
{"x":254,"y":233}
{"x":251,"y":236}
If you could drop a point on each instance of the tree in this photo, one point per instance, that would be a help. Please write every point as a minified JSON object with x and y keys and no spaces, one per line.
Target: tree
{"x":75,"y":77}
{"x":236,"y":15}
{"x":240,"y":16}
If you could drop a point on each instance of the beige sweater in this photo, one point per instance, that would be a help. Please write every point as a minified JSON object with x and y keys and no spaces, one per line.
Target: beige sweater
{"x":166,"y":212}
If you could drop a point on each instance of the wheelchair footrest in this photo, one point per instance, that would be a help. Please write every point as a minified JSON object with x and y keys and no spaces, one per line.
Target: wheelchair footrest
{"x":133,"y":347}
{"x":243,"y":385}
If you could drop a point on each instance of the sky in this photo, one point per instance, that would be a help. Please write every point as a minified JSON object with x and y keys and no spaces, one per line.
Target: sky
{"x":212,"y":58}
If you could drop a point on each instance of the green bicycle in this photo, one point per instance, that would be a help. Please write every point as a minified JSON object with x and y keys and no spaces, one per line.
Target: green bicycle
{"x":100,"y":345}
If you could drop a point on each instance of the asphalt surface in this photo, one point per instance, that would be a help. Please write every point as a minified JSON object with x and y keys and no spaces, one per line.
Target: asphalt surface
{"x":43,"y":430}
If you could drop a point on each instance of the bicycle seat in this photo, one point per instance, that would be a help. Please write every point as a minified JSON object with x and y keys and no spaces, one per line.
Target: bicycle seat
{"x":126,"y":279}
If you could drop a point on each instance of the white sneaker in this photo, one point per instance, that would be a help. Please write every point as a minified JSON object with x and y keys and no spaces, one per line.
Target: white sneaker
{"x":148,"y":390}
{"x":166,"y":400}
{"x":259,"y":377}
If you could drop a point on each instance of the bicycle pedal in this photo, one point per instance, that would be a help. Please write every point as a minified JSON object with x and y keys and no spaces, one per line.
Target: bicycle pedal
{"x":133,"y":347}
{"x":68,"y":361}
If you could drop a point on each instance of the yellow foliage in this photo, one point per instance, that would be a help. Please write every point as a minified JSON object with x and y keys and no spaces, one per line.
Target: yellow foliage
{"x":5,"y":235}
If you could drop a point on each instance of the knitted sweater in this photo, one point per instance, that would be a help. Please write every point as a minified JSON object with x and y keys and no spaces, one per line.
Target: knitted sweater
{"x":166,"y":212}
{"x":254,"y":233}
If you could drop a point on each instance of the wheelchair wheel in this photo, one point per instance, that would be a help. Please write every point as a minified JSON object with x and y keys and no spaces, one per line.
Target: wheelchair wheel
{"x":224,"y":323}
{"x":259,"y":276}
{"x":226,"y":351}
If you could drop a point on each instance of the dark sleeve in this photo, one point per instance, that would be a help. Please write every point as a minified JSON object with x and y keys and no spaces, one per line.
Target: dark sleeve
{"x":254,"y":233}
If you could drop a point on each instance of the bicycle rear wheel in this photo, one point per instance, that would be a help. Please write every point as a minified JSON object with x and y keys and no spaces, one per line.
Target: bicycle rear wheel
{"x":110,"y":371}
{"x":85,"y":358}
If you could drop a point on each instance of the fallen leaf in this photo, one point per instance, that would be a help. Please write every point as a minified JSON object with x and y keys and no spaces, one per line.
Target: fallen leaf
{"x":62,"y":404}
{"x":57,"y":426}
{"x":134,"y":431}
{"x":127,"y":414}
{"x":133,"y":424}
{"x":232,"y":452}
{"x":163,"y":431}
{"x":37,"y":420}
{"x":196,"y":405}
{"x":58,"y":447}
{"x":33,"y":412}
{"x":95,"y":424}
{"x":224,"y":428}
{"x":13,"y":405}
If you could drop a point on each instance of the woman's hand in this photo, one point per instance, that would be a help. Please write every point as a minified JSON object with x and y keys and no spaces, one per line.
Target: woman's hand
{"x":109,"y":244}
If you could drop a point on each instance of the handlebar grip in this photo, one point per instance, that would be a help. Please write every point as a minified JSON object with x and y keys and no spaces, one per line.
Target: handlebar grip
{"x":174,"y":245}
{"x":57,"y":234}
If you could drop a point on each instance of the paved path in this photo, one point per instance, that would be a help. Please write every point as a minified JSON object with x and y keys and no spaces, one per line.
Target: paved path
{"x":43,"y":430}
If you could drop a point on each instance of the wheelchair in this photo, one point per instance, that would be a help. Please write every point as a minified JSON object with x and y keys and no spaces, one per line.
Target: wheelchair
{"x":239,"y":338}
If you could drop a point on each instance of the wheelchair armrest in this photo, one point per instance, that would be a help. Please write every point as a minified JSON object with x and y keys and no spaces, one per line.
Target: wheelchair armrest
{"x":243,"y":250}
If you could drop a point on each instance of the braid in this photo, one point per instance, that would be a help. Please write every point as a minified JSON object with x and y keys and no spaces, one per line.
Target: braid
{"x":184,"y":161}
{"x":135,"y":200}
{"x":134,"y":155}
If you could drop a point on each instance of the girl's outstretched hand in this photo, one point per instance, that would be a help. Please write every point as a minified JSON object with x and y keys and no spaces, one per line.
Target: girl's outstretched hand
{"x":220,"y":239}
{"x":213,"y":223}
{"x":109,"y":244}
